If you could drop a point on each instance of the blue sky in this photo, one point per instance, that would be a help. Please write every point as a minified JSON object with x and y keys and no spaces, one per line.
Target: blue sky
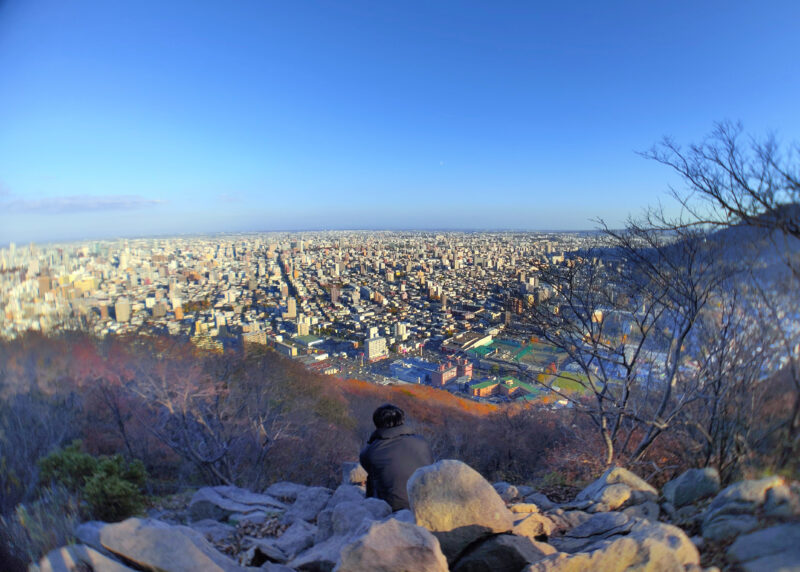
{"x":139,"y":118}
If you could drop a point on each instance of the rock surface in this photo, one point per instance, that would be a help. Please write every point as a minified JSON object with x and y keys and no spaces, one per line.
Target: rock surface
{"x":458,"y":520}
{"x":775,"y":548}
{"x":77,"y":558}
{"x":219,"y":503}
{"x":502,"y":553}
{"x":393,"y":546}
{"x":691,"y":486}
{"x":732,"y":512}
{"x":151,"y":544}
{"x":457,"y":504}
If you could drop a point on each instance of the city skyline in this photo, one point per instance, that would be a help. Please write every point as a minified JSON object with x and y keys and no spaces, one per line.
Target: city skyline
{"x":142,"y":120}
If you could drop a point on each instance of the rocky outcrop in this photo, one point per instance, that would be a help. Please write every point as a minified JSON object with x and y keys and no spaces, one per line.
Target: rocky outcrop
{"x":458,"y":521}
{"x":224,"y":502}
{"x":733,"y":510}
{"x":774,"y":548}
{"x":154,"y":545}
{"x":391,"y":546}
{"x":457,"y":504}
{"x":691,"y":486}
{"x":78,"y":557}
{"x":617,"y":487}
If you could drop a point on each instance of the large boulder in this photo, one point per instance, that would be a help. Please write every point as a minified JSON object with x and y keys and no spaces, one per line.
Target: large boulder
{"x":691,"y":486}
{"x":219,"y":503}
{"x":670,"y":536}
{"x":540,"y":500}
{"x":533,"y":525}
{"x":567,"y":520}
{"x":733,"y":510}
{"x":154,"y":545}
{"x":345,"y":493}
{"x":599,"y":527}
{"x":296,"y":538}
{"x":774,"y":548}
{"x":393,"y":546}
{"x":615,"y":488}
{"x":619,"y":555}
{"x":502,"y":553}
{"x":79,"y":557}
{"x":285,"y":491}
{"x":308,"y":504}
{"x":457,"y":504}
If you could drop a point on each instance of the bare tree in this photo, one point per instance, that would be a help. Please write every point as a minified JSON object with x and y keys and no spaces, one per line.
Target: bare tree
{"x":733,"y":180}
{"x":740,"y":182}
{"x":623,"y":314}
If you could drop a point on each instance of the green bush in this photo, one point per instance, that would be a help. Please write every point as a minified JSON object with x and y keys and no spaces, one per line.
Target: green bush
{"x":69,"y":467}
{"x":35,"y":529}
{"x":110,"y":486}
{"x":114,"y":491}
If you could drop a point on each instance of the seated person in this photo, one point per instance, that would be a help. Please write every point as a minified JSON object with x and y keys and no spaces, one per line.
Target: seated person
{"x":391,"y":455}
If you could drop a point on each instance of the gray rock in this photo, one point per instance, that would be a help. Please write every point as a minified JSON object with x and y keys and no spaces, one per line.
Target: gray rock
{"x":753,"y":492}
{"x":404,"y":515}
{"x":272,"y":567}
{"x":774,"y":548}
{"x":603,"y":524}
{"x":523,"y":508}
{"x":728,"y":526}
{"x":533,"y":525}
{"x":392,"y":546}
{"x":540,"y":500}
{"x":671,"y":536}
{"x":639,"y":497}
{"x":345,"y":493}
{"x":599,"y":527}
{"x":219,"y":503}
{"x":323,"y":556}
{"x":567,"y":520}
{"x":378,"y":508}
{"x":155,"y":545}
{"x":611,"y":497}
{"x":613,"y":476}
{"x":614,"y":556}
{"x":348,"y":516}
{"x":88,"y":533}
{"x":213,"y":530}
{"x":502,"y":553}
{"x":648,"y":511}
{"x":691,"y":486}
{"x":732,"y":510}
{"x":353,"y":474}
{"x":308,"y":504}
{"x":296,"y":538}
{"x":255,"y":517}
{"x":285,"y":490}
{"x":524,"y":490}
{"x":782,"y":501}
{"x":262,"y":550}
{"x":507,"y":492}
{"x":457,"y":504}
{"x":78,"y":557}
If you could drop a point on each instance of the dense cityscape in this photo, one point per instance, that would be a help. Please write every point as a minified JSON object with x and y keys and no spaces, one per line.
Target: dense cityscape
{"x":389,"y":307}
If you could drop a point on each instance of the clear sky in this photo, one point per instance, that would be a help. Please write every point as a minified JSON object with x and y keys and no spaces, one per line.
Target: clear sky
{"x":161,"y":117}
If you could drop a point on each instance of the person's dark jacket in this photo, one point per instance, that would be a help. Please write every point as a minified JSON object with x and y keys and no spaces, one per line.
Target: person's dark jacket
{"x":390,"y":457}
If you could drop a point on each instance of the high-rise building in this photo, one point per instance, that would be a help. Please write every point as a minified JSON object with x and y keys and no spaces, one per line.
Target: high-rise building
{"x":375,"y":348}
{"x":122,"y":310}
{"x":291,"y":308}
